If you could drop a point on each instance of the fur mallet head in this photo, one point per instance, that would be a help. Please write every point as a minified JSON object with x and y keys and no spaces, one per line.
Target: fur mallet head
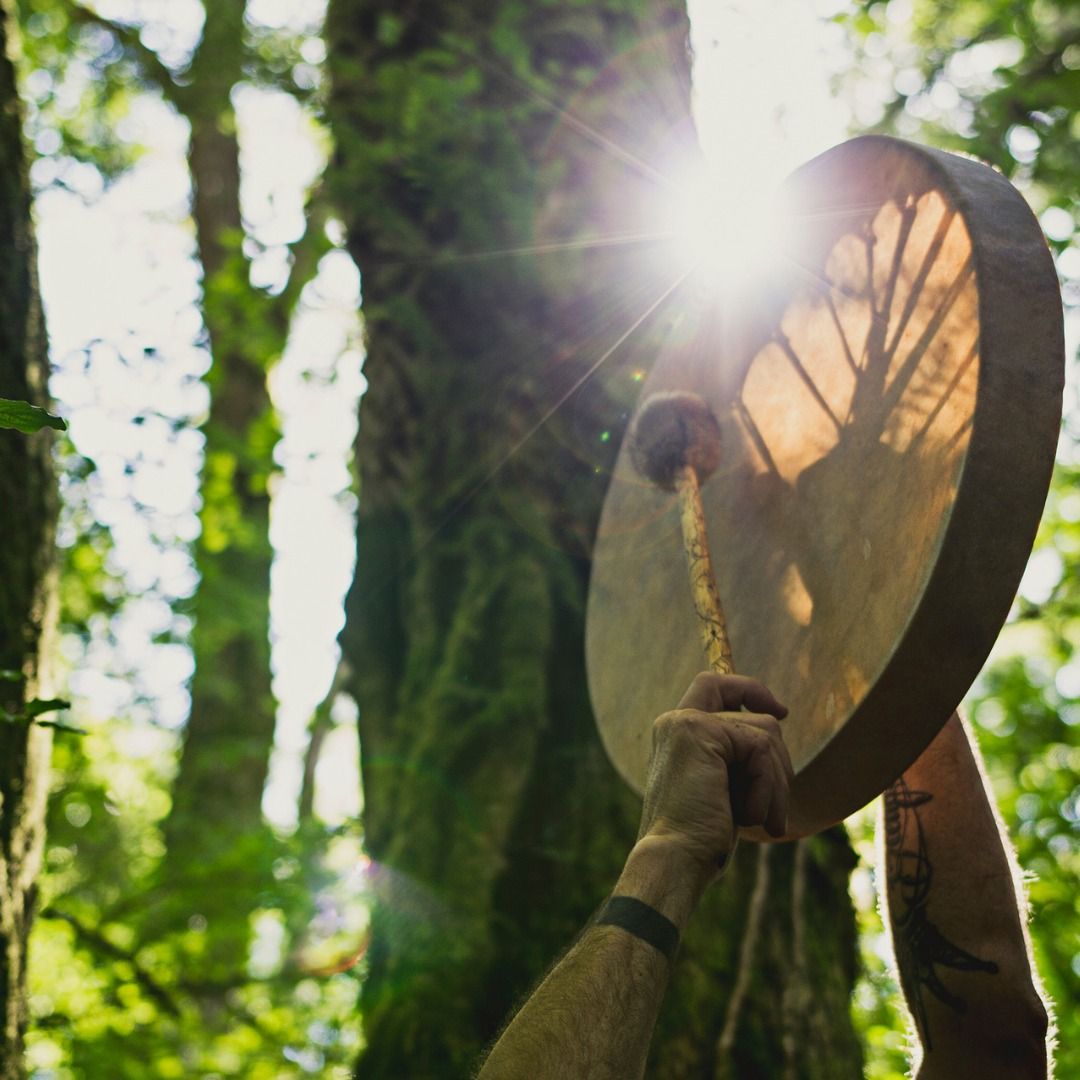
{"x":674,"y":429}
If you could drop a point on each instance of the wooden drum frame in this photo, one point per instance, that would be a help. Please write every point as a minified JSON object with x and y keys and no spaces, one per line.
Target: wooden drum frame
{"x":889,"y":406}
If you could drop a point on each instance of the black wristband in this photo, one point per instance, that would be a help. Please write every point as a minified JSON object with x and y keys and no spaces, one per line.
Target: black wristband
{"x":637,"y":918}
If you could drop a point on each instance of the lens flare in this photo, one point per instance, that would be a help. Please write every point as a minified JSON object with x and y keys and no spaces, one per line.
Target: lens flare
{"x":726,"y":232}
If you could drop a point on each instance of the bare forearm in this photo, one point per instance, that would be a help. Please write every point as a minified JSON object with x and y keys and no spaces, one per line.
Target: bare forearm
{"x":593,"y":1016}
{"x":954,"y":915}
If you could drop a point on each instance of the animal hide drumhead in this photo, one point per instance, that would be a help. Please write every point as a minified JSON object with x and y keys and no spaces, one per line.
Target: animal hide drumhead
{"x":889,"y":401}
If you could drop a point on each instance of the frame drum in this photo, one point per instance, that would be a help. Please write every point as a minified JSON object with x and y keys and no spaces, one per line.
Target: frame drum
{"x":889,"y":404}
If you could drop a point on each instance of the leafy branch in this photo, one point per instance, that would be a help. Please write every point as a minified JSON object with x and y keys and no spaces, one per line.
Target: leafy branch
{"x":306,"y":251}
{"x":153,"y":69}
{"x":32,"y":711}
{"x":97,"y":941}
{"x":165,"y":996}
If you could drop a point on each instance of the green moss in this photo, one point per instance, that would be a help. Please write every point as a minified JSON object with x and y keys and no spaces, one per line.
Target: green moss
{"x":490,"y":807}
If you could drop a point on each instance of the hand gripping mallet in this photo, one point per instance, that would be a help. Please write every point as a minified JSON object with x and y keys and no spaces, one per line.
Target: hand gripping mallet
{"x":675,"y":443}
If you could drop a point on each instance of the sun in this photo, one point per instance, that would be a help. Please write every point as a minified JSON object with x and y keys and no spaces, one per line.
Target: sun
{"x":723,"y":232}
{"x":761,"y":107}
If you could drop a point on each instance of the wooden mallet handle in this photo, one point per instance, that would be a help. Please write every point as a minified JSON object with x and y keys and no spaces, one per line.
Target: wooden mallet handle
{"x":675,"y":443}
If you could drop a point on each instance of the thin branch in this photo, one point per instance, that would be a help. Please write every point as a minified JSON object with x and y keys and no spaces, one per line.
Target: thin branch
{"x":96,"y":940}
{"x":306,"y":251}
{"x":320,"y":728}
{"x":751,"y":934}
{"x":797,"y":992}
{"x":153,"y":69}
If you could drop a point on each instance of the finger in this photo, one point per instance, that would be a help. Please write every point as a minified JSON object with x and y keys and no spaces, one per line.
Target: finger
{"x":710,"y":692}
{"x":760,"y":784}
{"x":776,"y":822}
{"x":778,"y":748}
{"x":783,"y":775}
{"x":784,"y":758}
{"x":755,"y":773}
{"x":773,"y":795}
{"x":750,"y":694}
{"x":775,"y":734}
{"x":757,"y":799}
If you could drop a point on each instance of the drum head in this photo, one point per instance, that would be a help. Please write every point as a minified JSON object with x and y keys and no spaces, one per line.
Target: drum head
{"x":889,"y":404}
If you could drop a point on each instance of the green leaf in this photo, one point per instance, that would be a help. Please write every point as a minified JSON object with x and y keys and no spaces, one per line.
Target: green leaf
{"x":35,"y":707}
{"x":38,"y":707}
{"x":61,"y":727}
{"x":27,"y":418}
{"x":6,"y":675}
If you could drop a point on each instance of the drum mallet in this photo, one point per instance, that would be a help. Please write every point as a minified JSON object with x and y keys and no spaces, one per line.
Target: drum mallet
{"x":675,"y":443}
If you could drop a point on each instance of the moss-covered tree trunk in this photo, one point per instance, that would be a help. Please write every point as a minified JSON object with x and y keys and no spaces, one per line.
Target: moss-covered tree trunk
{"x":27,"y":609}
{"x":216,"y":858}
{"x":218,"y":850}
{"x":467,"y":134}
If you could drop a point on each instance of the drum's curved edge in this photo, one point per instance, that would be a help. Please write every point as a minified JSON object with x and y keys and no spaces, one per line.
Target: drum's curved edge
{"x":999,"y":502}
{"x":591,"y":665}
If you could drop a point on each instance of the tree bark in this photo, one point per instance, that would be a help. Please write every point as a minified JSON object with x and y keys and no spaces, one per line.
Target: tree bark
{"x":493,"y":818}
{"x":216,"y":863}
{"x":27,"y":585}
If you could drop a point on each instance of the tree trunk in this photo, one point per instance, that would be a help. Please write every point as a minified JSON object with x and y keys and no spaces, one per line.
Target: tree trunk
{"x":217,"y":861}
{"x":493,"y":818}
{"x":27,"y":593}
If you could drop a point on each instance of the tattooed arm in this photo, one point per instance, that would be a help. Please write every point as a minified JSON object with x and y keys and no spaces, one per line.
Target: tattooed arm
{"x":592,"y":1017}
{"x":955,"y":920}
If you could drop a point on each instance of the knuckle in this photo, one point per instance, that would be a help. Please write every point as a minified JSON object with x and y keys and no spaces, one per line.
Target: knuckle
{"x":682,"y":729}
{"x":662,"y":725}
{"x":703,"y":680}
{"x":755,"y":730}
{"x":671,"y":724}
{"x":707,"y":688}
{"x":766,"y":723}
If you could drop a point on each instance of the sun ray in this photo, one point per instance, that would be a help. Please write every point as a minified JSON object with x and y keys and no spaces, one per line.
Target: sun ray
{"x":584,"y":243}
{"x":562,"y":112}
{"x":548,"y":413}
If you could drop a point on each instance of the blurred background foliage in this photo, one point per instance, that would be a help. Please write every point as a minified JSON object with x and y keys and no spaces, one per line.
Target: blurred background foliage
{"x":198,"y":942}
{"x":119,"y":992}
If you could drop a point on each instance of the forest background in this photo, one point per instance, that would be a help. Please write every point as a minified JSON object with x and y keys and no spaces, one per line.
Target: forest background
{"x":224,"y":843}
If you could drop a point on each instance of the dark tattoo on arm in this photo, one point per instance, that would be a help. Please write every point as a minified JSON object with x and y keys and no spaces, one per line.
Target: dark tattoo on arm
{"x":921,"y":948}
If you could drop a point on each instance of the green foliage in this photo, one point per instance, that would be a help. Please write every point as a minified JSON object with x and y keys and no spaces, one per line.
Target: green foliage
{"x":877,"y":1007}
{"x":32,"y":710}
{"x":27,"y":418}
{"x":992,"y":78}
{"x":288,"y":60}
{"x":82,"y":73}
{"x":78,"y":86}
{"x":133,"y":927}
{"x":115,"y":995}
